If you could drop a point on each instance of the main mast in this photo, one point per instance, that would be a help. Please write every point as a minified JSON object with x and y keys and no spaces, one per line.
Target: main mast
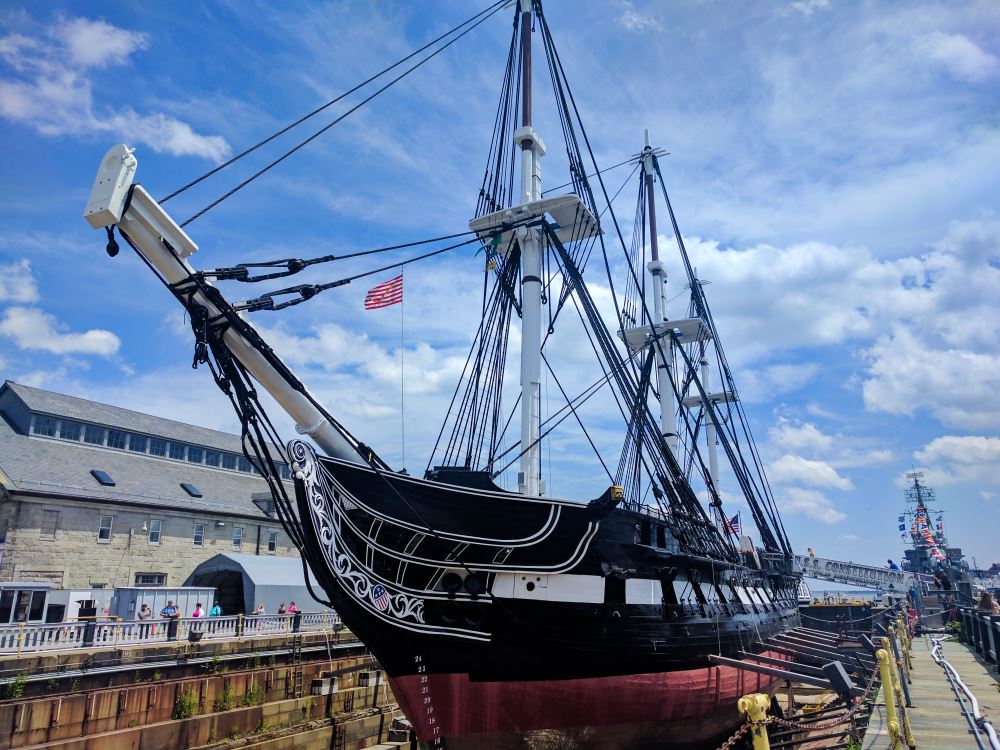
{"x":532,"y":149}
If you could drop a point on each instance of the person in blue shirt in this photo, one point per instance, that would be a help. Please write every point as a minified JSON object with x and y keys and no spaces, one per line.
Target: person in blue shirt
{"x":215,"y":611}
{"x":893,"y":566}
{"x":170,"y":611}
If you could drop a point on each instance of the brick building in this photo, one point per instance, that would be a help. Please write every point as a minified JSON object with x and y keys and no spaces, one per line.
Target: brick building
{"x":96,"y":496}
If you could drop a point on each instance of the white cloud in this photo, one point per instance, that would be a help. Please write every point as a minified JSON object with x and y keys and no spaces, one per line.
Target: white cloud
{"x":33,"y":329}
{"x":810,"y":503}
{"x":53,"y":90}
{"x":97,"y":44}
{"x":848,"y":537}
{"x":957,"y":386}
{"x":807,"y":7}
{"x":959,"y":55}
{"x":633,"y":20}
{"x":763,"y":384}
{"x":17,"y":283}
{"x":952,"y":459}
{"x":804,"y":437}
{"x":790,"y":469}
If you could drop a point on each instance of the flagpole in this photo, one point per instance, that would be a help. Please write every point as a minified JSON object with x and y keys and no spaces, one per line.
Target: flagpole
{"x":402,"y":372}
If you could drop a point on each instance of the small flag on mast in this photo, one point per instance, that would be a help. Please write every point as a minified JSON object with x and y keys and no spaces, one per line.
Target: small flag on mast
{"x":733,"y":524}
{"x":385,"y":294}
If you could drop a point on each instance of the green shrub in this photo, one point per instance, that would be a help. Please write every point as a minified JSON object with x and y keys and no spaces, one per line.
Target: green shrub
{"x":15,"y":688}
{"x":254,"y":696}
{"x":185,"y":705}
{"x":226,"y":699}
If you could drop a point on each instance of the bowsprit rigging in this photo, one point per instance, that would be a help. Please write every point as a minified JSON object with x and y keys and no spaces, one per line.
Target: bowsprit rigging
{"x":470,"y":594}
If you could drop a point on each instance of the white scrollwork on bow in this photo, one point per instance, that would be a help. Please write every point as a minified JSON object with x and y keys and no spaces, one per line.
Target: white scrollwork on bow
{"x":325,"y":505}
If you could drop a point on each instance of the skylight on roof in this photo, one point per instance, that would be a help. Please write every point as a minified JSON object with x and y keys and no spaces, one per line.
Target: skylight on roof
{"x":191,"y":489}
{"x":102,"y":477}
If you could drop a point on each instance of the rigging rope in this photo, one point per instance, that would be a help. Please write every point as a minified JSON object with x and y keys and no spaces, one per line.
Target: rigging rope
{"x":493,"y":9}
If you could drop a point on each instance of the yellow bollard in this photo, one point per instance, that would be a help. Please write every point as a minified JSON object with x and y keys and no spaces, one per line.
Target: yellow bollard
{"x":755,"y":706}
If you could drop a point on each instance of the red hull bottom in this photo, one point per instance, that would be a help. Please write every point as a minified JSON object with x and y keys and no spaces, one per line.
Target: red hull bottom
{"x":684,"y":707}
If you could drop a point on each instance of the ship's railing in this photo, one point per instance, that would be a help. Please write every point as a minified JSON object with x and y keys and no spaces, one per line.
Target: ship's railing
{"x":981,"y":631}
{"x":93,"y":633}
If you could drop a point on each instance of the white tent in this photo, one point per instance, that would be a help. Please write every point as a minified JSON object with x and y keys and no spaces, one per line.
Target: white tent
{"x":244,"y":581}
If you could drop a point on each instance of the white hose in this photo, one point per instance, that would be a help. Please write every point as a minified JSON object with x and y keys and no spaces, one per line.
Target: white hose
{"x":981,"y":723}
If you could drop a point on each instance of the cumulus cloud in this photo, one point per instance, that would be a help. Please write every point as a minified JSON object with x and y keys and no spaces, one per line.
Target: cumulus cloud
{"x":790,"y":469}
{"x":33,"y":329}
{"x":958,"y":54}
{"x":952,"y":459}
{"x":17,"y":284}
{"x":762,"y":384}
{"x":49,"y":87}
{"x":809,"y":503}
{"x":802,"y":437}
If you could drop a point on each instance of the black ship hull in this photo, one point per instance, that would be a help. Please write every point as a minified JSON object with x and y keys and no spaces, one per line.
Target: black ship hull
{"x":496,"y":613}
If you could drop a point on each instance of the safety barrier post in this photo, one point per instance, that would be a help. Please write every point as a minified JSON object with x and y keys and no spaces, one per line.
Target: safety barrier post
{"x":903,"y":722}
{"x":20,"y":638}
{"x":239,"y":626}
{"x":755,"y":706}
{"x":885,"y":668}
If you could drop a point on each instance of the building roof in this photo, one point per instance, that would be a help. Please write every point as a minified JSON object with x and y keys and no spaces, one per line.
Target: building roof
{"x":61,"y":405}
{"x":60,"y":467}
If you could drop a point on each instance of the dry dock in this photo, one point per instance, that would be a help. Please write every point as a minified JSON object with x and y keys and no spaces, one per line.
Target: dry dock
{"x":939,"y":717}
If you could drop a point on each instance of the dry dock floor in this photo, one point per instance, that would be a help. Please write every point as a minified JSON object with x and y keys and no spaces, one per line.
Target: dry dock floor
{"x":936,"y":715}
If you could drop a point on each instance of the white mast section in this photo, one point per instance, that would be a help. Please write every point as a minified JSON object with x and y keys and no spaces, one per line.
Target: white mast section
{"x":529,"y":478}
{"x":664,"y":347}
{"x":149,"y":227}
{"x":710,"y":438}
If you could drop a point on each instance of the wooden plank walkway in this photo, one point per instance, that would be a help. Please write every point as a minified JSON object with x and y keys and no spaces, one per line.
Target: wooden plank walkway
{"x":936,"y":715}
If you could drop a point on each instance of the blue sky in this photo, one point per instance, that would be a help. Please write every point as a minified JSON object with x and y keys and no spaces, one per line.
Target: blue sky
{"x":834,"y":167}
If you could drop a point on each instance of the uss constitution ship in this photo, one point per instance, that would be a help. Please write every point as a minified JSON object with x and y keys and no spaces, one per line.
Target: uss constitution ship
{"x":496,"y":612}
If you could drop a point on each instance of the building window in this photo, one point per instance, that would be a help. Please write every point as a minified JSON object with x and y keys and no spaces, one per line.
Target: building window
{"x":116,"y":439}
{"x":69,"y":430}
{"x":228,"y":461}
{"x":212,"y":458}
{"x":177,"y":451}
{"x":93,"y":435}
{"x":272,"y":541}
{"x":283,"y":470}
{"x":44,"y":426}
{"x":150,"y":579}
{"x":157,"y":447}
{"x":50,"y":522}
{"x":137,"y":443}
{"x":237,"y":537}
{"x":245,"y":465}
{"x":154,"y":530}
{"x":104,"y":530}
{"x":199,"y":534}
{"x":195,"y":455}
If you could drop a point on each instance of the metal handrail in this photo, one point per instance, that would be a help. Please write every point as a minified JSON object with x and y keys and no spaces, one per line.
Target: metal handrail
{"x":31,"y":637}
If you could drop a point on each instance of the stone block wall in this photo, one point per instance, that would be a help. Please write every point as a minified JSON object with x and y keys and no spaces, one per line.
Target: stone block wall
{"x":72,"y":556}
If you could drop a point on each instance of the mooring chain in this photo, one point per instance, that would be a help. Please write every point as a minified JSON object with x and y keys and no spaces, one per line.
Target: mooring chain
{"x":728,"y":744}
{"x":785,"y":723}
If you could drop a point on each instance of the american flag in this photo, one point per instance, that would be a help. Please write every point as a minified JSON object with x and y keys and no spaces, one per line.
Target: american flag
{"x":380,"y":597}
{"x":733,"y":524}
{"x":387,"y":293}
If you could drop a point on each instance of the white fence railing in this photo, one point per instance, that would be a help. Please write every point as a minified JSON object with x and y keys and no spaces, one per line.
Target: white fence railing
{"x":22,"y":637}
